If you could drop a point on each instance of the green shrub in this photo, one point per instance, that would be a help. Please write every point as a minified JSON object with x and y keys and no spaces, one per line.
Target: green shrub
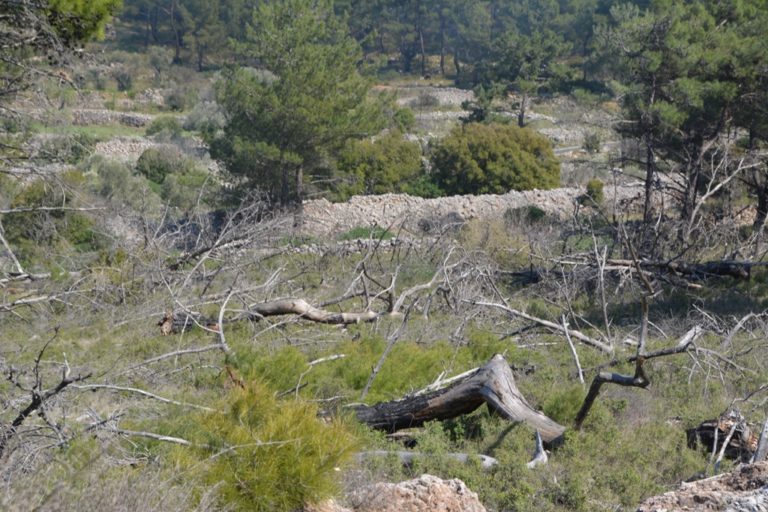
{"x":167,"y":124}
{"x":265,"y":454}
{"x":124,"y":79}
{"x":116,"y":182}
{"x":177,"y":100}
{"x":387,"y":164}
{"x":592,"y":142}
{"x":157,"y":163}
{"x":493,"y":159}
{"x":594,"y":195}
{"x":404,"y":119}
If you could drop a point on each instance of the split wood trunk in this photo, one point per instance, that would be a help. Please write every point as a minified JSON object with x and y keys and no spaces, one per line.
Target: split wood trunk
{"x":492,"y":384}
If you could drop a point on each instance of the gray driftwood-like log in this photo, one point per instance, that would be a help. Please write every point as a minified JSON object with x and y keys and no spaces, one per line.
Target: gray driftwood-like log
{"x":178,"y":322}
{"x":492,"y":384}
{"x":407,"y":458}
{"x":303,"y":309}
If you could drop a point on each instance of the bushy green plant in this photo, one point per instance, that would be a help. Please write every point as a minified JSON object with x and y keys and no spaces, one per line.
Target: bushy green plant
{"x":265,"y":454}
{"x":404,"y":119}
{"x":530,"y":214}
{"x":592,"y":142}
{"x":493,"y":159}
{"x":177,"y":100}
{"x":158,"y":162}
{"x":387,"y":164}
{"x":116,"y":182}
{"x":595,"y":194}
{"x":167,"y":124}
{"x":124,"y":79}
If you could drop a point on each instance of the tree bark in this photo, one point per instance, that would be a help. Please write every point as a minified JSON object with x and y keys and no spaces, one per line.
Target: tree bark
{"x":492,"y":384}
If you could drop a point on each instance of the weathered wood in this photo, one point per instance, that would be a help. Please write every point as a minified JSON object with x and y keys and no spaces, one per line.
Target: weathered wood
{"x":638,"y":380}
{"x":178,"y":322}
{"x":713,"y":434}
{"x":303,"y":309}
{"x":549,"y":325}
{"x":407,"y":458}
{"x":492,"y":384}
{"x":762,"y":445}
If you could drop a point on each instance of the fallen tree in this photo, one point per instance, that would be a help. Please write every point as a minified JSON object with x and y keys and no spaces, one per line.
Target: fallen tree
{"x":492,"y":384}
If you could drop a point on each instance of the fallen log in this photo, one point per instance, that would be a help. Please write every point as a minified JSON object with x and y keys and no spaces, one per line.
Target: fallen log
{"x":407,"y":458}
{"x":303,"y":309}
{"x":492,"y":384}
{"x":173,"y":322}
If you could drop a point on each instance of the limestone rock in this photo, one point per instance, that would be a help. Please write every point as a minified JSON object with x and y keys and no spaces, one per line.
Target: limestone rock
{"x":745,"y":489}
{"x":424,"y":494}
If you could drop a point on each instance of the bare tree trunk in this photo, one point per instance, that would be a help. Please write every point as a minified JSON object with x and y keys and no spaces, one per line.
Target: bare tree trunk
{"x":442,"y":44}
{"x":423,"y":52}
{"x":492,"y":384}
{"x":298,"y":218}
{"x":176,"y":34}
{"x":521,"y":113}
{"x":649,"y":176}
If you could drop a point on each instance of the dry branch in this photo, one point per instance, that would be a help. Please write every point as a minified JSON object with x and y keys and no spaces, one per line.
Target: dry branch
{"x":549,"y":325}
{"x":406,"y":458}
{"x":492,"y":384}
{"x":638,"y":380}
{"x":303,"y":309}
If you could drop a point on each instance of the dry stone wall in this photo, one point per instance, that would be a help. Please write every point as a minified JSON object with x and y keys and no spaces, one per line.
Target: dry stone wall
{"x":418,"y":215}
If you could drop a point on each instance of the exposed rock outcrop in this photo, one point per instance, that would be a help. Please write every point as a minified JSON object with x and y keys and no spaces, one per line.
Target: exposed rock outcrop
{"x":424,"y":494}
{"x":745,"y":489}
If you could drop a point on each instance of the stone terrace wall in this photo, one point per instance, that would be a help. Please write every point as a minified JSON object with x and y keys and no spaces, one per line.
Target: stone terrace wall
{"x":323,"y":218}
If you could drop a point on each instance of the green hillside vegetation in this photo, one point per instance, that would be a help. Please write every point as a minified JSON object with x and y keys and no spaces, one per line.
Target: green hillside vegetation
{"x":155,"y":160}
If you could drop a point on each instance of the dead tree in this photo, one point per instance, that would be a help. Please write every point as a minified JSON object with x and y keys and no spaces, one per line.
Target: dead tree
{"x":492,"y":384}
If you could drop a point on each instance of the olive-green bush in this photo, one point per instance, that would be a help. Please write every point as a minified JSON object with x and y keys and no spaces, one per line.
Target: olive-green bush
{"x":388,"y":164}
{"x":493,"y":159}
{"x":167,"y":124}
{"x":265,"y":454}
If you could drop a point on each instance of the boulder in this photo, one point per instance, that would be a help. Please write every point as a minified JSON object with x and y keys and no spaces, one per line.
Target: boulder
{"x":424,"y":494}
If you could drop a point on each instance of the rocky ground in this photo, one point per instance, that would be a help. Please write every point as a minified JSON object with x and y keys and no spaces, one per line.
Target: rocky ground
{"x":424,"y":494}
{"x":745,"y":489}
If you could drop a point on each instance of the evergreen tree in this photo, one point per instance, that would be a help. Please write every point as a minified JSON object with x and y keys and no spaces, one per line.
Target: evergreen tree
{"x":288,"y":118}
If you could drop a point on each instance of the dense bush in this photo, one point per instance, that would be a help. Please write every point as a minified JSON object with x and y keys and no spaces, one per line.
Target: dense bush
{"x":594,"y":195}
{"x":157,"y":163}
{"x":166,"y":124}
{"x":493,"y":159}
{"x":388,"y":164}
{"x":404,"y":119}
{"x":117,"y":183}
{"x":266,"y":454}
{"x":174,"y":176}
{"x":592,"y":142}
